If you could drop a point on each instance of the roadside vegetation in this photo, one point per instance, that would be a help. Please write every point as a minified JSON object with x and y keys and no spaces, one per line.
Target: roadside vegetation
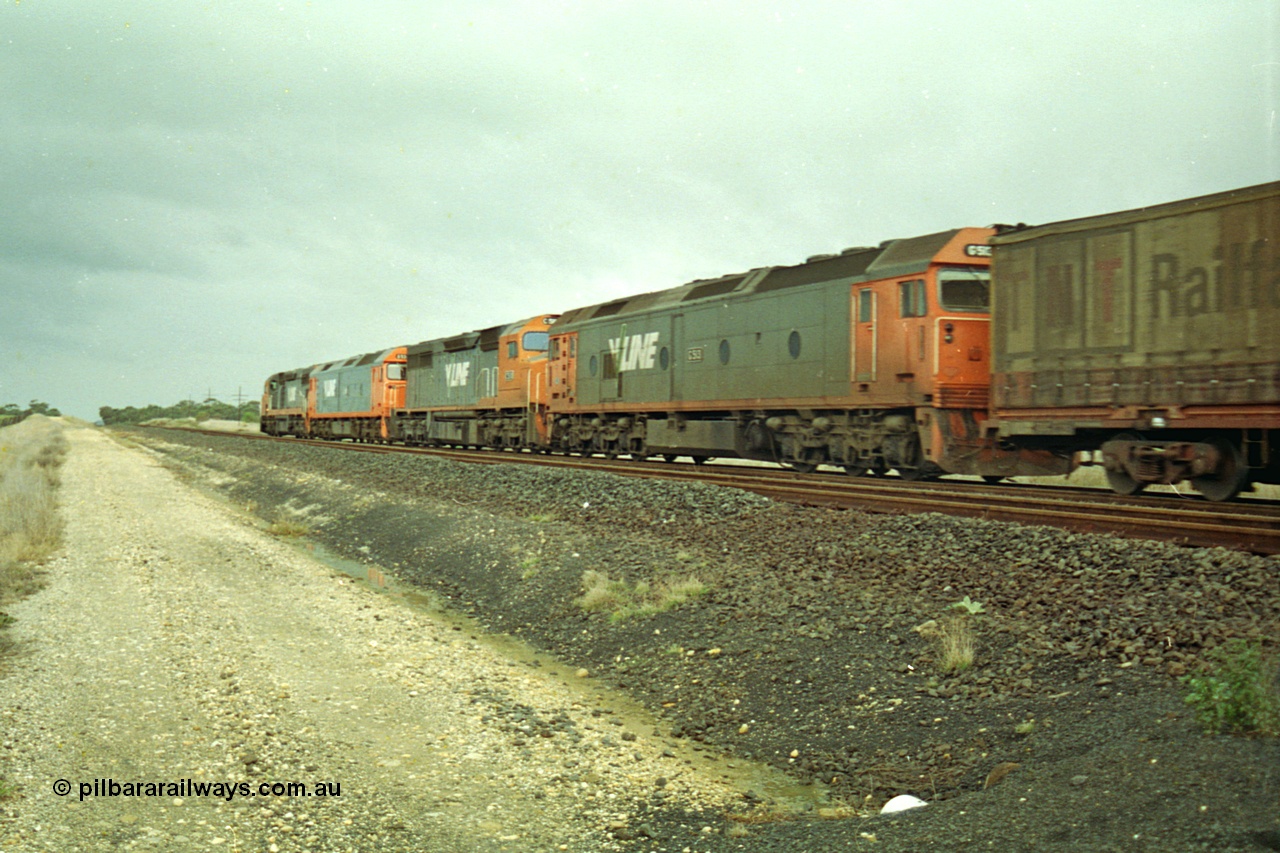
{"x":1240,"y":691}
{"x":31,"y":453}
{"x":12,"y":413}
{"x":208,"y":409}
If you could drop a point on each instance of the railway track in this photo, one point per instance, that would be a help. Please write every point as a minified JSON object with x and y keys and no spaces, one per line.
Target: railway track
{"x":1252,"y":526}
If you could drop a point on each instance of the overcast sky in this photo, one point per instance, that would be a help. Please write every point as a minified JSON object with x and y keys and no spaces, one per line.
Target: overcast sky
{"x":198,"y":194}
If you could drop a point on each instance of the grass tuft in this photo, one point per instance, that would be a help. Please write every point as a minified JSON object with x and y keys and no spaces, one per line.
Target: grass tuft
{"x":624,"y":601}
{"x":287,"y":528}
{"x":954,"y":639}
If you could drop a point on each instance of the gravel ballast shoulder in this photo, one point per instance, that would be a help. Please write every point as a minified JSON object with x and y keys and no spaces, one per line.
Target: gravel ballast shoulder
{"x":1068,"y":733}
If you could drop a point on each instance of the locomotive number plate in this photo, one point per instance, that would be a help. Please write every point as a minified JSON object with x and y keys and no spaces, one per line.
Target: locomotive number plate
{"x":695,"y":354}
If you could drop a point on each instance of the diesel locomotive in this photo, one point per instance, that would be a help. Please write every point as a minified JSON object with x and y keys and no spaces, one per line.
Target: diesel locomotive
{"x":1144,"y":341}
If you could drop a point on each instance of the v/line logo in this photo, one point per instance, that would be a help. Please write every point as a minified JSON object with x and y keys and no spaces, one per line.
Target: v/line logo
{"x":635,"y":352}
{"x":456,"y":374}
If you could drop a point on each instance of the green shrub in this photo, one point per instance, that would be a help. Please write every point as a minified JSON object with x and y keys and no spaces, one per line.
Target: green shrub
{"x":1239,"y":694}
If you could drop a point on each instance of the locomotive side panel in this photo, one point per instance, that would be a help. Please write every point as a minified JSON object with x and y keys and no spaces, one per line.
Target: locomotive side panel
{"x":438,"y":378}
{"x":624,"y":360}
{"x":346,"y":387}
{"x":765,"y":349}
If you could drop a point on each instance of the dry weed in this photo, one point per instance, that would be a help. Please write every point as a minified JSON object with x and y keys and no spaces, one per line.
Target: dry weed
{"x":622,"y":601}
{"x":955,"y":643}
{"x":30,"y":530}
{"x":31,"y":453}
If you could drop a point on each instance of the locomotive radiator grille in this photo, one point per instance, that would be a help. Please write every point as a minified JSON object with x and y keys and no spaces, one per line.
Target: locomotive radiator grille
{"x":961,"y":397}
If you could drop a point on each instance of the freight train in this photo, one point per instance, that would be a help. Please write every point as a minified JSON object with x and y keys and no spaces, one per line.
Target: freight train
{"x":1146,"y":341}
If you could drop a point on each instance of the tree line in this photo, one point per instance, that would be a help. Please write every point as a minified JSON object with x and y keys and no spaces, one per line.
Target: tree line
{"x":11,"y":413}
{"x":209,"y":409}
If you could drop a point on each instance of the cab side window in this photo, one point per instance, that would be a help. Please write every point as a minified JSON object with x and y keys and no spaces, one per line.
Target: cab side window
{"x":911,"y":300}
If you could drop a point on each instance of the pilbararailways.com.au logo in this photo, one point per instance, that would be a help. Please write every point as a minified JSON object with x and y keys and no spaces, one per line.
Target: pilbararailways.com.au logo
{"x":192,"y":788}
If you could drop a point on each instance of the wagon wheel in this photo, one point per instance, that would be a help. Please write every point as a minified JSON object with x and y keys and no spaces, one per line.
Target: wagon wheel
{"x":857,"y":469}
{"x":1232,"y":475}
{"x":1121,"y":482}
{"x":669,"y":457}
{"x":992,"y":478}
{"x":699,"y":460}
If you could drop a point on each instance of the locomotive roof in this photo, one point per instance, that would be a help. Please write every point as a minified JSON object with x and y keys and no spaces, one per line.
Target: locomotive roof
{"x":486,"y":338}
{"x":1019,"y":233}
{"x":893,"y":257}
{"x":290,"y":375}
{"x":375,"y":357}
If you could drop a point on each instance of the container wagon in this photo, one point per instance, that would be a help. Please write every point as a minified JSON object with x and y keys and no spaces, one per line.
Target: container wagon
{"x":1147,"y":341}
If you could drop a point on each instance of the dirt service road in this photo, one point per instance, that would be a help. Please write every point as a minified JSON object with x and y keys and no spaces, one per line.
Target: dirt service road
{"x":177,"y":646}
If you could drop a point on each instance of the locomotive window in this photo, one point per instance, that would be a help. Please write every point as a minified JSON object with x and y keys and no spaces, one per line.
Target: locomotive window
{"x":593,"y":365}
{"x":964,"y":290}
{"x":395,"y":371}
{"x":724,"y":352}
{"x":864,"y":306}
{"x":911,"y":298}
{"x":793,"y":344}
{"x":536,"y":341}
{"x":664,"y":358}
{"x":555,"y":348}
{"x":512,"y":349}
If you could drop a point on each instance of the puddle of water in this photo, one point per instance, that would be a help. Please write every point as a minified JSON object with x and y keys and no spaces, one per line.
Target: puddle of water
{"x":765,"y":781}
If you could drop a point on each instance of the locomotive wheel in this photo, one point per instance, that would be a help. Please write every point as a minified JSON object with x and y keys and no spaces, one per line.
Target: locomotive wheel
{"x":807,"y":460}
{"x":1120,"y":481}
{"x":992,"y":478}
{"x":858,"y":469}
{"x":669,"y":457}
{"x":1232,"y":477}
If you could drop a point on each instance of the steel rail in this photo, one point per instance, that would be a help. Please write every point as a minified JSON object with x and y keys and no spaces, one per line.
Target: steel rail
{"x":1250,"y":526}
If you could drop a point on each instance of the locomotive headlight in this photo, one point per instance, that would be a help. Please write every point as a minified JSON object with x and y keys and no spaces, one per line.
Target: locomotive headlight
{"x":948,"y":328}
